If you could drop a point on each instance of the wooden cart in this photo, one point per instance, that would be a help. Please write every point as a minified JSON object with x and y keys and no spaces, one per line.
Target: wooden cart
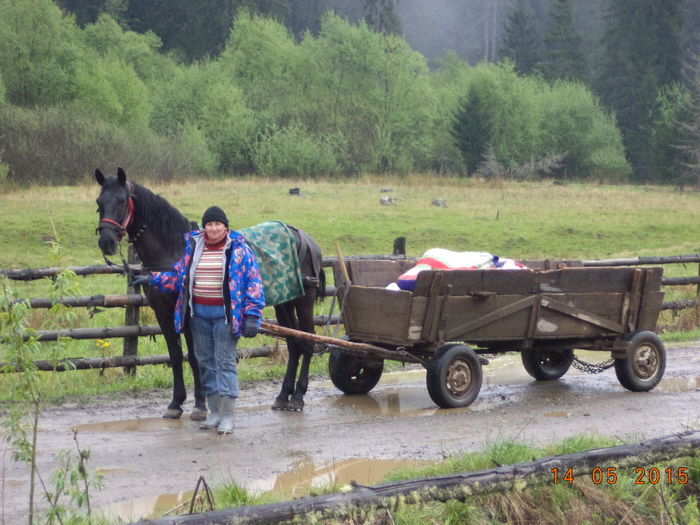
{"x":451,"y":317}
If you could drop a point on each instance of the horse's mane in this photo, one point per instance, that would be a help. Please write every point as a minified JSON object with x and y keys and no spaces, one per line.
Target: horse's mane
{"x":160,"y":216}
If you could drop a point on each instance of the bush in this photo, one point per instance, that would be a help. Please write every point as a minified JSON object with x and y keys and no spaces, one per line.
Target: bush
{"x":575,"y":123}
{"x":291,"y":152}
{"x":499,"y":110}
{"x":64,"y":146}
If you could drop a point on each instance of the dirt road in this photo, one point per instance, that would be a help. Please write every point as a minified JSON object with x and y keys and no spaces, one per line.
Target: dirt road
{"x":146,"y":460}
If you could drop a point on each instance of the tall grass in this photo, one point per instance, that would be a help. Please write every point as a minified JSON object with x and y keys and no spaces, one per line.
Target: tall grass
{"x":581,"y":501}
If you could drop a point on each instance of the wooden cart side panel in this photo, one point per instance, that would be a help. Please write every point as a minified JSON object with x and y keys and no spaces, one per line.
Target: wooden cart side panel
{"x":377,"y":315}
{"x":507,"y":317}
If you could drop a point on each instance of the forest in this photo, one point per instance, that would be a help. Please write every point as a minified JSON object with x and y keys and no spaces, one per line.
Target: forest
{"x":606,"y":90}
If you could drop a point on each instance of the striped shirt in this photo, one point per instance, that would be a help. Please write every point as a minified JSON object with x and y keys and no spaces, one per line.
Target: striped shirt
{"x":209,"y":276}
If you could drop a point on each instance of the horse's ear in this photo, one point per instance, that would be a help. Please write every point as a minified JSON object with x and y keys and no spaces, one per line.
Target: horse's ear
{"x":121,"y":175}
{"x":100,"y":178}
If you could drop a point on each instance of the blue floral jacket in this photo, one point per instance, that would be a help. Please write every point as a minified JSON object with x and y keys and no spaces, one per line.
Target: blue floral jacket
{"x":245,"y":288}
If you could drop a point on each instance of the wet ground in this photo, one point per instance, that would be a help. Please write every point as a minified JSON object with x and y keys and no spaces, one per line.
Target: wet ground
{"x":150,"y":462}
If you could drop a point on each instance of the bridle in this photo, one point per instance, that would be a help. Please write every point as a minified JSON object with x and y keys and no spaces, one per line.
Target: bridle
{"x":128,"y":216}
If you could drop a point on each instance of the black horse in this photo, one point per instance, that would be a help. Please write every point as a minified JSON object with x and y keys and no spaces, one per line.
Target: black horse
{"x":156,"y":230}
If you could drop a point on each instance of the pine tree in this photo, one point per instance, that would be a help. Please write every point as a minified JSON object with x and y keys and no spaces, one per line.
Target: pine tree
{"x":689,"y":126}
{"x":641,"y":55}
{"x":381,"y":16}
{"x":563,"y":55}
{"x":521,"y":42}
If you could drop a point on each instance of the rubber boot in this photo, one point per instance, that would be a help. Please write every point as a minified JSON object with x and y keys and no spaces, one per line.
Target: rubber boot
{"x":227,"y":408}
{"x":214,"y":402}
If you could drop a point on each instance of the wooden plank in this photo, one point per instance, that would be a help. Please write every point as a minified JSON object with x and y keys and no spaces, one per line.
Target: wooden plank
{"x":631,"y":314}
{"x":362,"y":349}
{"x":377,"y":273}
{"x":377,"y":314}
{"x":649,"y":310}
{"x":548,"y":324}
{"x":577,"y":280}
{"x":582,"y":315}
{"x":516,"y":304}
{"x":432,"y":311}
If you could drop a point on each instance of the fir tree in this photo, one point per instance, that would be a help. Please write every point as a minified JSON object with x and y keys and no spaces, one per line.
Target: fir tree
{"x":563,"y":57}
{"x":641,"y":55}
{"x":381,"y":16}
{"x":522,"y":43}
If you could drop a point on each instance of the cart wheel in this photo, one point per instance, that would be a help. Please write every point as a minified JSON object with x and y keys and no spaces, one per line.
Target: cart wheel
{"x":352,"y":374}
{"x":645,"y":363}
{"x":454,"y":376}
{"x":547,"y":365}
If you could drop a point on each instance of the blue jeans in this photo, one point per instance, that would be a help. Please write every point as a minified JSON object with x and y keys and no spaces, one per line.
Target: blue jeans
{"x":215,"y":349}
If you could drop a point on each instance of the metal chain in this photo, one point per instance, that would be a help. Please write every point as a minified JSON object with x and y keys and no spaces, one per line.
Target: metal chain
{"x":591,"y":368}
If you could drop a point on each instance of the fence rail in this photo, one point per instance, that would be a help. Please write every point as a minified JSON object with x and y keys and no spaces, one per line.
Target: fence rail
{"x":133,"y":301}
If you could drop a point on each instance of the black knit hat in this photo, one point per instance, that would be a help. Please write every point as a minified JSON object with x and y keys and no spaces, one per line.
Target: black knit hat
{"x":214,"y":214}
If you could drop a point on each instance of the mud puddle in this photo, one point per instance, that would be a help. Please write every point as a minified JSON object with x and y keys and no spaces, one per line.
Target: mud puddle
{"x":304,"y":479}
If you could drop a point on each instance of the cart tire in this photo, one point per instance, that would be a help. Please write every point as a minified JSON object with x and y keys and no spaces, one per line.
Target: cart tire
{"x":645,"y":363}
{"x":547,"y":365}
{"x":454,"y":376}
{"x":352,"y":374}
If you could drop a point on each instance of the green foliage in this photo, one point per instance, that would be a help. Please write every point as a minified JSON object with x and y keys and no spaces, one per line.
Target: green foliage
{"x":516,"y":120}
{"x":562,"y":55}
{"x":63,"y":146}
{"x":522,"y":43}
{"x":203,"y":97}
{"x":672,"y":108}
{"x":499,"y":110}
{"x":292,"y":152}
{"x":138,"y":50}
{"x":38,"y":52}
{"x":347,"y":99}
{"x":574,"y":123}
{"x":194,"y":29}
{"x":641,"y":55}
{"x":381,"y":16}
{"x":111,"y":90}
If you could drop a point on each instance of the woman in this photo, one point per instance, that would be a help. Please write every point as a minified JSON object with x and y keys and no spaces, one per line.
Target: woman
{"x":221,"y":296}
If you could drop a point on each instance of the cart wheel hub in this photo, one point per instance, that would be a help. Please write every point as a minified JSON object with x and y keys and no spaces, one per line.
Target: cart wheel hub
{"x":645,"y":362}
{"x":458,"y":378}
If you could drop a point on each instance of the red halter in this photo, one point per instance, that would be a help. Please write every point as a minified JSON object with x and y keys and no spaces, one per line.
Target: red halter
{"x":121,"y":227}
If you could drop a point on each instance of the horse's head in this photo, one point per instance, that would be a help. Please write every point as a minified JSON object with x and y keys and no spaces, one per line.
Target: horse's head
{"x":115,"y":206}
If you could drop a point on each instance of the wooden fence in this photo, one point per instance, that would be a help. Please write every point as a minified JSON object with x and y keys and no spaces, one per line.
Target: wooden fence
{"x":133,"y":301}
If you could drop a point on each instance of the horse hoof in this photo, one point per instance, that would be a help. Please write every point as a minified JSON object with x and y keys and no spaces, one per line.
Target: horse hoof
{"x":172,"y":413}
{"x":279,"y":404}
{"x":198,"y":414}
{"x":295,"y":406}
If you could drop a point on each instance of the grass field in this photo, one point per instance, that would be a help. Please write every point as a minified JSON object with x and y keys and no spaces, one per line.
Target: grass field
{"x":518,"y":220}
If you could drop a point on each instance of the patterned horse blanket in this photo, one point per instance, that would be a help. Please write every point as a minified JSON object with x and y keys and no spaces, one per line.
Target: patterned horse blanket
{"x":276,"y":252}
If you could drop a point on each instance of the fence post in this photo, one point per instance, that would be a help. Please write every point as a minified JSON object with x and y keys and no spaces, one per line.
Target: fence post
{"x":131,"y":317}
{"x":400,"y":246}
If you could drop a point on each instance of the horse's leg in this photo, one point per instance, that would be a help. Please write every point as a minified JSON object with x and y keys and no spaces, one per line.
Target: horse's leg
{"x":172,"y":339}
{"x":163,"y":306}
{"x":199,"y":413}
{"x":285,"y":317}
{"x":305,"y":316}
